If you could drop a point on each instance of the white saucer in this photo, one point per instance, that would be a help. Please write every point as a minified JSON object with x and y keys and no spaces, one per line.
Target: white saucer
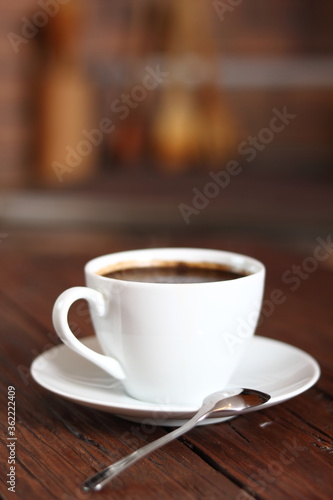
{"x":281,"y":370}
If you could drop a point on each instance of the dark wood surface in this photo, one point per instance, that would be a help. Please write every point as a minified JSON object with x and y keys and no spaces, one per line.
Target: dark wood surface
{"x":60,"y":443}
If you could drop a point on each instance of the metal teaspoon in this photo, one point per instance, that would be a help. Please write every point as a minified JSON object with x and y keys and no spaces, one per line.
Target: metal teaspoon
{"x":226,"y":403}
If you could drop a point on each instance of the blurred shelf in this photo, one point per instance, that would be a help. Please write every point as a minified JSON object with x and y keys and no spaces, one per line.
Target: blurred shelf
{"x":282,"y":211}
{"x":235,"y":72}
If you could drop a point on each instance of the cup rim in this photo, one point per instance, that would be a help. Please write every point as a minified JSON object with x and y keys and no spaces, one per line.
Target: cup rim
{"x":97,"y":265}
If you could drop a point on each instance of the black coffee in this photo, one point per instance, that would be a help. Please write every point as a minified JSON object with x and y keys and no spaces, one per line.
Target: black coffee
{"x":175,"y":272}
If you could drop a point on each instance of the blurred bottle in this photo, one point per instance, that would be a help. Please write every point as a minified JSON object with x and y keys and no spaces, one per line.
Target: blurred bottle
{"x":13,"y":139}
{"x":66,"y":105}
{"x":128,"y":143}
{"x":192,"y":125}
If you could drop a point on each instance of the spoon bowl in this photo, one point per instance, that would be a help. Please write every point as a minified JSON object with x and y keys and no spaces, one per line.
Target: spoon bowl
{"x":221,"y":403}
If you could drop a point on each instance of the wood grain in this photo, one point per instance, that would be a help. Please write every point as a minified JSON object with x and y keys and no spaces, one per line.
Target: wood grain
{"x":282,"y":452}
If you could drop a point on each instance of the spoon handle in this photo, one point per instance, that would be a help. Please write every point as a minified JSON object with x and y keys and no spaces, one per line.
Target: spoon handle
{"x":99,"y":480}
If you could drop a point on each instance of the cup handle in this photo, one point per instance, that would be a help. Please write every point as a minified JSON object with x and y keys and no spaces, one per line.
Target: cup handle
{"x":60,"y":322}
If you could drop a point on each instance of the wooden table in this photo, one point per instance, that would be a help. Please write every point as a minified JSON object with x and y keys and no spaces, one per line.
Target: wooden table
{"x":60,"y":443}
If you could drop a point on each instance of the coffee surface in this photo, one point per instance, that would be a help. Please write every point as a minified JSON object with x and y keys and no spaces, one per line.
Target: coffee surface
{"x":178,"y":272}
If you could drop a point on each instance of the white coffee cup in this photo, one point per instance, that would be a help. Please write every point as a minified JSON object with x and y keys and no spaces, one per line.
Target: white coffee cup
{"x":167,"y":343}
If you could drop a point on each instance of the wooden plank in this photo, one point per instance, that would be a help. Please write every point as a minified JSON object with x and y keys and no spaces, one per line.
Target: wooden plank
{"x":282,"y":455}
{"x":59,"y":443}
{"x":302,"y":426}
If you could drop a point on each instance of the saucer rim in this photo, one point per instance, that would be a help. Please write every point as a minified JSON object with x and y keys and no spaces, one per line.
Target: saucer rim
{"x":142,"y":409}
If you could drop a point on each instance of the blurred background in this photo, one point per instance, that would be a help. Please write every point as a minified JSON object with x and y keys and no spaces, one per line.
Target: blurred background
{"x":118,"y":118}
